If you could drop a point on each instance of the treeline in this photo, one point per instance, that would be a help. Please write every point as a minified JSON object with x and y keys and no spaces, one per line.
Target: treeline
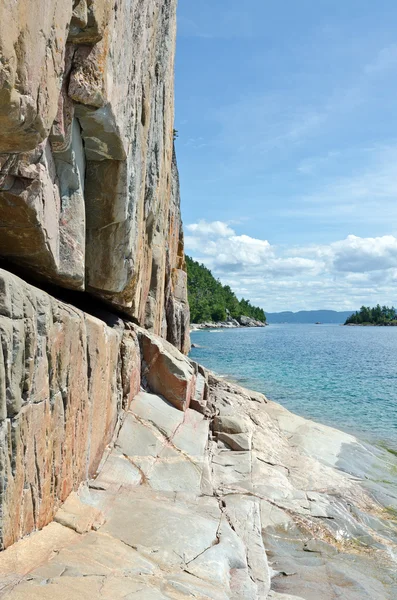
{"x":209,"y":300}
{"x":378,"y":315}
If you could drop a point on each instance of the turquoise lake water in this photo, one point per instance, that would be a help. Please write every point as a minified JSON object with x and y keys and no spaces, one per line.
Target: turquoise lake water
{"x":345,"y":377}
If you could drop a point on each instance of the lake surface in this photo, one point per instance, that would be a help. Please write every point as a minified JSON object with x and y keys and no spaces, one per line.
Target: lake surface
{"x":345,"y":377}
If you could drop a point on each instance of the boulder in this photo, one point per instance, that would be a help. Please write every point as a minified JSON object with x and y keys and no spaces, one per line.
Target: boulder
{"x":249,"y":322}
{"x":231,"y":424}
{"x":166,"y":371}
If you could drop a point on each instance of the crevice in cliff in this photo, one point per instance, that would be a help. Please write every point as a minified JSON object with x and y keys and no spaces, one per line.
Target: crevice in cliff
{"x":84,"y":301}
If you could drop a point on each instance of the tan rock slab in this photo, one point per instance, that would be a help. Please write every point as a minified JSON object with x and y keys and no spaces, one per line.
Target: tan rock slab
{"x":78,"y":516}
{"x":27,"y":554}
{"x":167,"y":371}
{"x":240,"y":442}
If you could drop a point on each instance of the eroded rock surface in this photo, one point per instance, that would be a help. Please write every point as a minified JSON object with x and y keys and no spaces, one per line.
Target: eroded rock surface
{"x":237,"y":500}
{"x":89,"y":187}
{"x":66,"y":380}
{"x":61,"y":397}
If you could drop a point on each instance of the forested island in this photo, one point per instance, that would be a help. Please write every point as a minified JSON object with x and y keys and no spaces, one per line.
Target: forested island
{"x":209,"y":300}
{"x":378,"y":315}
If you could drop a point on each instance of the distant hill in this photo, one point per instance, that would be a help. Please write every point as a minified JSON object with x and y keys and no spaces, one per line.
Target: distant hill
{"x":309,"y":316}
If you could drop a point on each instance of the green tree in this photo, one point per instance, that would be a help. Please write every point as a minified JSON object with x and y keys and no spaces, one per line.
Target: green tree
{"x":209,"y":300}
{"x":378,"y":315}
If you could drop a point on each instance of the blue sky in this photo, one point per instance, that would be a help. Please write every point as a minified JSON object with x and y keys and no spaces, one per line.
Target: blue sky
{"x":287,"y":148}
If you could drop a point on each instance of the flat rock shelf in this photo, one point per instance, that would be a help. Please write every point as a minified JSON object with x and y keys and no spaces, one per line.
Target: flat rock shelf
{"x":237,"y":500}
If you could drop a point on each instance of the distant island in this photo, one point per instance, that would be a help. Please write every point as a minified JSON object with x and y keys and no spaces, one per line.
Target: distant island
{"x":378,"y":315}
{"x":209,"y":300}
{"x":309,"y":316}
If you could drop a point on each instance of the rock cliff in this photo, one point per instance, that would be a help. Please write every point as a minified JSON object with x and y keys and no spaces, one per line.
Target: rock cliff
{"x":126,"y":469}
{"x":89,"y":190}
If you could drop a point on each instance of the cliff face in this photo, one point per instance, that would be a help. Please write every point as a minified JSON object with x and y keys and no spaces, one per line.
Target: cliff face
{"x":138,"y":473}
{"x":65,"y":377}
{"x":89,"y":192}
{"x":90,"y":202}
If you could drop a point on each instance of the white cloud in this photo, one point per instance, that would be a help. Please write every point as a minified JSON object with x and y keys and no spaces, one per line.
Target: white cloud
{"x":360,"y":255}
{"x":216,"y":228}
{"x":342,"y":275}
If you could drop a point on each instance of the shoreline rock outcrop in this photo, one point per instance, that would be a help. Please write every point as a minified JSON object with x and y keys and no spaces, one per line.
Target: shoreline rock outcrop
{"x":242,"y":321}
{"x":230,"y":498}
{"x":66,"y":379}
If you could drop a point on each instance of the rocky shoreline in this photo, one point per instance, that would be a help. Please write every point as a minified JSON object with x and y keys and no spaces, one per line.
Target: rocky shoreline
{"x":213,"y":491}
{"x":242,"y":321}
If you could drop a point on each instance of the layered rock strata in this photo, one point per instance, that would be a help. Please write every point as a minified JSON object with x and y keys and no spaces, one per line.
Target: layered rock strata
{"x":89,"y":189}
{"x":208,"y":490}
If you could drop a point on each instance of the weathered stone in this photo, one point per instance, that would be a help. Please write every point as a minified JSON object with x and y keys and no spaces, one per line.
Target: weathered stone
{"x":30,"y":209}
{"x":32,"y":46}
{"x":97,"y":203}
{"x":61,"y":131}
{"x":80,"y":14}
{"x":176,"y":327}
{"x":238,"y":441}
{"x":199,"y":400}
{"x":231,"y":424}
{"x":61,"y":397}
{"x":104,"y":389}
{"x":89,"y":21}
{"x":130,"y":367}
{"x":42,"y":212}
{"x":166,"y":370}
{"x":78,"y":516}
{"x":87,"y":84}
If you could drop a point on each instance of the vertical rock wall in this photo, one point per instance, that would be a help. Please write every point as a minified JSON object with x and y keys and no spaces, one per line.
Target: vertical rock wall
{"x":65,"y":378}
{"x":89,"y":201}
{"x":89,"y":191}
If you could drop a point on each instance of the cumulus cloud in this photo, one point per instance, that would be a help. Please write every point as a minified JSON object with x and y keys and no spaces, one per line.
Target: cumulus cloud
{"x":341,"y":275}
{"x":216,"y":228}
{"x":359,"y":255}
{"x":228,"y":250}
